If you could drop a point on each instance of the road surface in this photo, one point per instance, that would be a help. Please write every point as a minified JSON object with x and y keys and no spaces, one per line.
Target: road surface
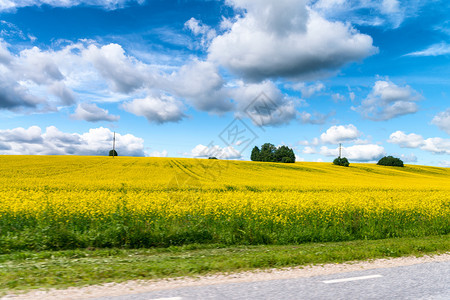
{"x":420,"y":281}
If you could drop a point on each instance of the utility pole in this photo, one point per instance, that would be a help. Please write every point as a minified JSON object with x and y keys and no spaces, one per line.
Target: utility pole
{"x":114,"y":144}
{"x":340,"y":150}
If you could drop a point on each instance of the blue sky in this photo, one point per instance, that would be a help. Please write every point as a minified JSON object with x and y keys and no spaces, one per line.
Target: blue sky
{"x":215,"y":78}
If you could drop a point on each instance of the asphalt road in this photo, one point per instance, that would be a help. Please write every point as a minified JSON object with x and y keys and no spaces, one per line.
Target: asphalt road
{"x":422,"y":281}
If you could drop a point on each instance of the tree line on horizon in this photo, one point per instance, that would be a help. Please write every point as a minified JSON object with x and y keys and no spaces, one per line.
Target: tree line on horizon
{"x":270,"y":153}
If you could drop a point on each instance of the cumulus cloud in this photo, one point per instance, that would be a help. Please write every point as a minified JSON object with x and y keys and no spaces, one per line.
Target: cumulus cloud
{"x":368,"y":152}
{"x":155,"y":153}
{"x":436,"y":145}
{"x":96,"y":141}
{"x":286,"y":39}
{"x":388,"y":100}
{"x":442,"y":120}
{"x":433,"y":50}
{"x":201,"y":84}
{"x":32,"y":79}
{"x":263,"y":103}
{"x":107,"y":4}
{"x":404,"y":140}
{"x":309,"y":150}
{"x":214,"y":151}
{"x":92,"y":113}
{"x":159,"y":110}
{"x":340,"y":134}
{"x":125,"y":73}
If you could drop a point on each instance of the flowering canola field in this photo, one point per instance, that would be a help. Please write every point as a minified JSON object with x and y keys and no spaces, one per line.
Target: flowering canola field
{"x":61,"y":202}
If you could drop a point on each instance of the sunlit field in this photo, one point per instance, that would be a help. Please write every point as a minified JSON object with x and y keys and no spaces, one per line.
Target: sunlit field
{"x":64,"y":202}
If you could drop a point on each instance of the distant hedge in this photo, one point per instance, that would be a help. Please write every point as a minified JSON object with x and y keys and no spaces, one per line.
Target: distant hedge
{"x":112,"y":153}
{"x":341,"y":161}
{"x":390,"y":161}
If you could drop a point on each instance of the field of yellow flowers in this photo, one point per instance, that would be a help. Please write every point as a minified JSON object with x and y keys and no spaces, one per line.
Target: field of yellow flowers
{"x":63,"y":202}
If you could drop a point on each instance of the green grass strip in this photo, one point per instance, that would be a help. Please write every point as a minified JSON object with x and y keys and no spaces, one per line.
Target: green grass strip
{"x":22,"y":271}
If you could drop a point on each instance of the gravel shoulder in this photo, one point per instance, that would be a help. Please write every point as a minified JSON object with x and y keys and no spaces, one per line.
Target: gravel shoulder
{"x":141,"y":286}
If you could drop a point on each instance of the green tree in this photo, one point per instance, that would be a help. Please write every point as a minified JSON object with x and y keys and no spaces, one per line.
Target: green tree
{"x":113,"y":153}
{"x":255,"y":156}
{"x":390,"y":161}
{"x":267,"y":152}
{"x":341,"y":161}
{"x":270,"y":153}
{"x":284,"y":152}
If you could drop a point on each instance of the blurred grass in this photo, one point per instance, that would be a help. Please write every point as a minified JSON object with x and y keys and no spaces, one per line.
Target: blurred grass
{"x":20,"y":271}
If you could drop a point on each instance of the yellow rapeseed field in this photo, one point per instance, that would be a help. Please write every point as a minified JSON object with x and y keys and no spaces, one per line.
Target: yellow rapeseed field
{"x":70,"y":201}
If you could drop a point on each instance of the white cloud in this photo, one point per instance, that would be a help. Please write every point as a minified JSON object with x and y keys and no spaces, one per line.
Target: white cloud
{"x":201,"y":84}
{"x":298,"y":158}
{"x":442,"y":120}
{"x":125,"y":73}
{"x":436,"y":145}
{"x":315,"y":118}
{"x":445,"y":163}
{"x":32,"y":135}
{"x":352,"y":96}
{"x":309,"y":150}
{"x":97,"y":141}
{"x":389,"y":13}
{"x":264,"y":103}
{"x":155,"y":153}
{"x":408,"y":157}
{"x":337,"y":97}
{"x":388,"y":100}
{"x":433,"y":50}
{"x":214,"y":151}
{"x":368,"y":152}
{"x":160,"y":109}
{"x":340,"y":134}
{"x":307,"y":90}
{"x":286,"y":39}
{"x":411,"y":140}
{"x":92,"y":113}
{"x":32,"y":79}
{"x":107,"y":4}
{"x":206,"y":33}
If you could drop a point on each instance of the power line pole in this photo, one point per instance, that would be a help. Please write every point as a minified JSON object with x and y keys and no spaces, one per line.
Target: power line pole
{"x":114,"y":144}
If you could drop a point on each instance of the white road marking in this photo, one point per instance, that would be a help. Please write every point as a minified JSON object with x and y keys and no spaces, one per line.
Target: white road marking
{"x":352,"y":278}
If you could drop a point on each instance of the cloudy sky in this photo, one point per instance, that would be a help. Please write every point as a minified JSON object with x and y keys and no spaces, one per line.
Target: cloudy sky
{"x":193,"y":78}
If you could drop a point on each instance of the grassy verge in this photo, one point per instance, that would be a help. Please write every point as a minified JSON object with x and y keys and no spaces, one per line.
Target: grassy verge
{"x":59,"y":269}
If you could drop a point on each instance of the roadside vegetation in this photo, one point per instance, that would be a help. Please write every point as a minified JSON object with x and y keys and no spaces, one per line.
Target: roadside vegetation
{"x":25,"y":270}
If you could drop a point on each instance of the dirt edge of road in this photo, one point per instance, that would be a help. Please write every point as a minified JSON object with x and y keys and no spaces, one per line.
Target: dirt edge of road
{"x":142,"y":286}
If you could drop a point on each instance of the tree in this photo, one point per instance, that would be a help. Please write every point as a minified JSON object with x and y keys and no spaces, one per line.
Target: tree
{"x":341,"y":161}
{"x":284,"y":154}
{"x":267,"y":152}
{"x":255,"y":156}
{"x":270,"y":153}
{"x":113,"y":153}
{"x":390,"y":161}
